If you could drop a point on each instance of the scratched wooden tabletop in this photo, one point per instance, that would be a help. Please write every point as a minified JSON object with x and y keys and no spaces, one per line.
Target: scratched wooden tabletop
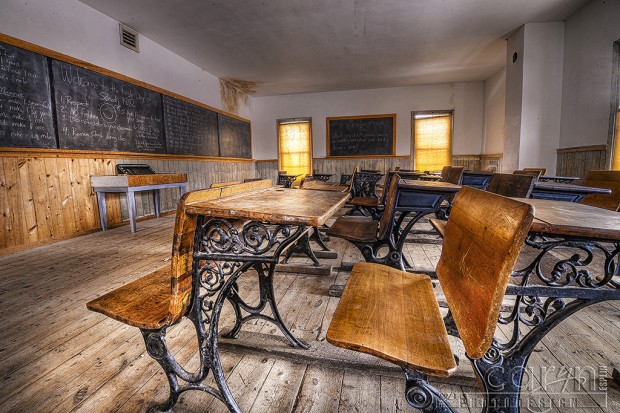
{"x":276,"y":205}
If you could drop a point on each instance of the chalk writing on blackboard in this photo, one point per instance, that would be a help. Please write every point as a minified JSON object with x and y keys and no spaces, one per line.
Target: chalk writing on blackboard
{"x":361,"y":135}
{"x":99,"y":112}
{"x":26,"y":118}
{"x":190,"y":129}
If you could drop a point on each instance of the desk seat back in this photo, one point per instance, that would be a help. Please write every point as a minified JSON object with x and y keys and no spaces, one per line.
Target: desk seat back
{"x":541,"y":170}
{"x":308,"y":182}
{"x":182,"y":250}
{"x":482,"y":240}
{"x":385,"y":223}
{"x":603,"y":179}
{"x":452,"y":174}
{"x":183,"y":243}
{"x":516,"y":186}
{"x":246,"y":186}
{"x":221,"y":184}
{"x":535,"y":173}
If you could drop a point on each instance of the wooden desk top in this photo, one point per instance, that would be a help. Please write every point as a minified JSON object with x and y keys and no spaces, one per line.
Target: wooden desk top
{"x":430,"y":177}
{"x":574,"y":219}
{"x":436,"y":186}
{"x":406,"y":174}
{"x":136,"y":180}
{"x":577,"y":189}
{"x":553,"y":178}
{"x":275,"y":205}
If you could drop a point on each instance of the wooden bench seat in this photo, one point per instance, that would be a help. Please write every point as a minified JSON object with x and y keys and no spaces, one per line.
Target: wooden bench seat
{"x":158,"y":300}
{"x":143,"y":303}
{"x":369,"y":235}
{"x":364,"y":202}
{"x":355,"y":229}
{"x":398,"y":299}
{"x":394,"y":315}
{"x":439,"y":225}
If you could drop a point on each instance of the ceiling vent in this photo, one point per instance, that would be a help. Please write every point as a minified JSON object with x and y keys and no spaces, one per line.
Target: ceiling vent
{"x":129,"y":38}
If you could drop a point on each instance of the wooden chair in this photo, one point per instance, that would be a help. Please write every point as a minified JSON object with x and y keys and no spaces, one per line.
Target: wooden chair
{"x":368,"y":234}
{"x":535,"y":173}
{"x":157,"y":300}
{"x":394,"y":315}
{"x":603,"y":179}
{"x":511,"y":185}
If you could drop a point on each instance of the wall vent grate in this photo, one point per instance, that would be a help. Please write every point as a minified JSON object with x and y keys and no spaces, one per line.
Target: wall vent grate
{"x":129,"y":38}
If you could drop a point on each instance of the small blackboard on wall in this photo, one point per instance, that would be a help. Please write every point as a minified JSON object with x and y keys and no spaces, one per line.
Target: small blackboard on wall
{"x":235,"y":137}
{"x":98,"y":112}
{"x":26,"y":118}
{"x":373,"y":135}
{"x":190,"y":129}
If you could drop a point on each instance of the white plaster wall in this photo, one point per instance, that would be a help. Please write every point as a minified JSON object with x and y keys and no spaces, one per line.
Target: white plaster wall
{"x":466,"y":99}
{"x":514,"y":99}
{"x":72,"y":28}
{"x":494,"y":113}
{"x":589,"y":37}
{"x":542,"y":95}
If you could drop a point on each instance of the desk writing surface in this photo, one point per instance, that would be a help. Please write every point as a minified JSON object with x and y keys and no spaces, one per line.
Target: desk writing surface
{"x":110,"y":181}
{"x":574,"y":219}
{"x":275,"y":205}
{"x":578,"y":189}
{"x":429,"y":186}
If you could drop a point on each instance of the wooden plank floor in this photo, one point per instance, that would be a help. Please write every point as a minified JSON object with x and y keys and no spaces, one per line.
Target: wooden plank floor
{"x":56,"y":356}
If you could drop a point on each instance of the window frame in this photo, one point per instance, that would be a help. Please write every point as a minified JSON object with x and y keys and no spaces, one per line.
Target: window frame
{"x":414,"y":114}
{"x":310,"y":143}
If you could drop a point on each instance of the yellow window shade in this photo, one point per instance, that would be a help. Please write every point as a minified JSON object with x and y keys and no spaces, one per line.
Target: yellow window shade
{"x":433,"y":142}
{"x":295,"y":147}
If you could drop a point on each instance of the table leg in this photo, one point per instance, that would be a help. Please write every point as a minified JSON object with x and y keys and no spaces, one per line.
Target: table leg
{"x":156,"y":202}
{"x":103,"y":217}
{"x":131,"y":207}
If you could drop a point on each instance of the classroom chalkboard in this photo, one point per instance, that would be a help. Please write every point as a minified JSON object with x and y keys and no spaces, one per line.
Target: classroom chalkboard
{"x":49,"y":103}
{"x":190,"y":129}
{"x":235,"y":137}
{"x":361,"y":135}
{"x":99,"y":112}
{"x":26,"y":118}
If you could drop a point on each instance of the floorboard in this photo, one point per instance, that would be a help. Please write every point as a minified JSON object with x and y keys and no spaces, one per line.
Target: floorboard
{"x":56,"y":356}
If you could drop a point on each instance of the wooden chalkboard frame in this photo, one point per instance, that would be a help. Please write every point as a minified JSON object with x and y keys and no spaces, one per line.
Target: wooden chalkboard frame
{"x":115,"y":154}
{"x":361,"y":117}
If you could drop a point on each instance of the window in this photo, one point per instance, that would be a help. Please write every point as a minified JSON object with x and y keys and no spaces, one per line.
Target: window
{"x":432,"y":140}
{"x":295,"y":146}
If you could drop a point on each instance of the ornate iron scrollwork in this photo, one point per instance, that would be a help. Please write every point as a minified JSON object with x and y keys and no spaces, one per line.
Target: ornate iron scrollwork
{"x":572,"y":270}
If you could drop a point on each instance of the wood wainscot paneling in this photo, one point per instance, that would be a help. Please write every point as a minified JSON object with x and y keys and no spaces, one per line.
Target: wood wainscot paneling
{"x":339,"y":166}
{"x":482,"y":162}
{"x":268,"y":169}
{"x":579,"y":160}
{"x":45,"y":195}
{"x":49,"y":197}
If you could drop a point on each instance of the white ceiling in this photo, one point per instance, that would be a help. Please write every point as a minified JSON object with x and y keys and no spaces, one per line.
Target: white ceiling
{"x":296,"y":46}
